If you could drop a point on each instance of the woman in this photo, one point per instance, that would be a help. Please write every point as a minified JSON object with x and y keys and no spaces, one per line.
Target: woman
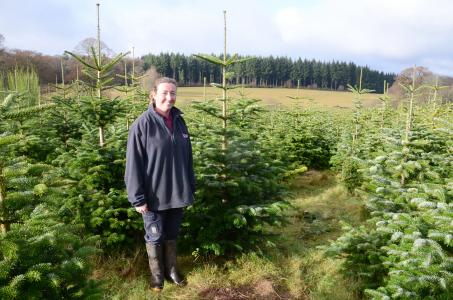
{"x":160,"y":179}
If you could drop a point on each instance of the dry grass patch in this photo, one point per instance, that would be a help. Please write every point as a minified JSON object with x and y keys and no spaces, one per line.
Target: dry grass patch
{"x":276,"y":97}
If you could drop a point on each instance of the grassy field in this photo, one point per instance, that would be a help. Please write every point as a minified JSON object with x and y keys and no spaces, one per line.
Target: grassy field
{"x":279,"y":96}
{"x":271,"y":97}
{"x":295,"y":269}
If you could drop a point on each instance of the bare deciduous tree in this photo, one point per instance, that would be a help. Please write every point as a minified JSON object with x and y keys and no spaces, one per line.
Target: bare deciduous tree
{"x":2,"y":40}
{"x":150,"y":76}
{"x":423,"y":76}
{"x":84,"y":46}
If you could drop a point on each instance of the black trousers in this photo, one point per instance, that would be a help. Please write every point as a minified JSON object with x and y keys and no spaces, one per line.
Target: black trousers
{"x":162,"y":225}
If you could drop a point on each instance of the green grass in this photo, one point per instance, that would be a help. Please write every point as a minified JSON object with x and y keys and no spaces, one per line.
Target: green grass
{"x":294,"y":269}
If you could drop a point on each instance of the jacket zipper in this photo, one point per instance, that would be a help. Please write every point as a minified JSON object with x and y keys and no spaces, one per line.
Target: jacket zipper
{"x":174,"y":129}
{"x":172,"y":134}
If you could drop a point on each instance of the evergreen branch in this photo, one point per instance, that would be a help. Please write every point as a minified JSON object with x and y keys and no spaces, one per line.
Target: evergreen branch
{"x":211,"y":59}
{"x":229,"y":87}
{"x":238,"y":61}
{"x":8,"y":100}
{"x":95,"y":59}
{"x":25,"y":112}
{"x":113,"y":62}
{"x":81,"y":60}
{"x":10,"y":139}
{"x":17,"y":169}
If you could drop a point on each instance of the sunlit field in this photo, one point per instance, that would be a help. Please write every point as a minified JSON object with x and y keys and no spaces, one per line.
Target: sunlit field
{"x":281,"y":96}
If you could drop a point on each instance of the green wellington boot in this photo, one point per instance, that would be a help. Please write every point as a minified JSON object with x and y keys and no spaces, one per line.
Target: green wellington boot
{"x":156,"y":266}
{"x":171,"y":269}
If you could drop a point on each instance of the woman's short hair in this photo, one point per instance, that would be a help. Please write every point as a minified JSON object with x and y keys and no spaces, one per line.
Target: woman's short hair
{"x":163,"y":80}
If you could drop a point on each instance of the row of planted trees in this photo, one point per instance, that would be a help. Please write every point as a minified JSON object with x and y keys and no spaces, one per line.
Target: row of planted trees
{"x":400,"y":163}
{"x":62,"y":189}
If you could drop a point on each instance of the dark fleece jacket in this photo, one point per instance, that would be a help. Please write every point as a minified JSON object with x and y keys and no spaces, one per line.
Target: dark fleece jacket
{"x":159,"y":166}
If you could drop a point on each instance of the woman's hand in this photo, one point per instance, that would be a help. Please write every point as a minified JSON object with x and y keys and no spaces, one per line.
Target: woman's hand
{"x":142,"y":209}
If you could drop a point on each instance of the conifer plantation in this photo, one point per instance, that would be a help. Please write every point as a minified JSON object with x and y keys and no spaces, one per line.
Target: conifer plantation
{"x":262,"y":225}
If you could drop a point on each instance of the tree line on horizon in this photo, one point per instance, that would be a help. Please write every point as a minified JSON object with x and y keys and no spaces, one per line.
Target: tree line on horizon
{"x":269,"y":71}
{"x":190,"y":71}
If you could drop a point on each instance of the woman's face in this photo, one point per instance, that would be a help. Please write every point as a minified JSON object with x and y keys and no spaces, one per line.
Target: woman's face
{"x":165,"y":96}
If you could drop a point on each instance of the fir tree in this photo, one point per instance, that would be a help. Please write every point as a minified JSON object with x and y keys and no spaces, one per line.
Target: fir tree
{"x":238,"y":186}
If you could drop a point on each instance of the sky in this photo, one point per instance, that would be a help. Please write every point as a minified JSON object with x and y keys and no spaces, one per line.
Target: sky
{"x":385,"y":35}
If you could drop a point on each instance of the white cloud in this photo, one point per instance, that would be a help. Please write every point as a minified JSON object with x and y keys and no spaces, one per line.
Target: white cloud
{"x":383,"y":34}
{"x":383,"y":29}
{"x":190,"y":27}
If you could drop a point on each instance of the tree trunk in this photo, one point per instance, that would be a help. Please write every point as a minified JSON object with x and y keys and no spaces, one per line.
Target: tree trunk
{"x":101,"y":137}
{"x":4,"y":227}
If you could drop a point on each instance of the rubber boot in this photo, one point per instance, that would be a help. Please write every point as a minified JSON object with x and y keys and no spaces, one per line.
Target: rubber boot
{"x":156,"y":266}
{"x":171,"y":269}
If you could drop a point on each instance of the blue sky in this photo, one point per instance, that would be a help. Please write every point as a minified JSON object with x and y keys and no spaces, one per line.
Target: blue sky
{"x":387,"y":35}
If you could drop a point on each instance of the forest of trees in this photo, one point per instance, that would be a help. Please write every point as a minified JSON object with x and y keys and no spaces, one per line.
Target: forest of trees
{"x":268,"y":72}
